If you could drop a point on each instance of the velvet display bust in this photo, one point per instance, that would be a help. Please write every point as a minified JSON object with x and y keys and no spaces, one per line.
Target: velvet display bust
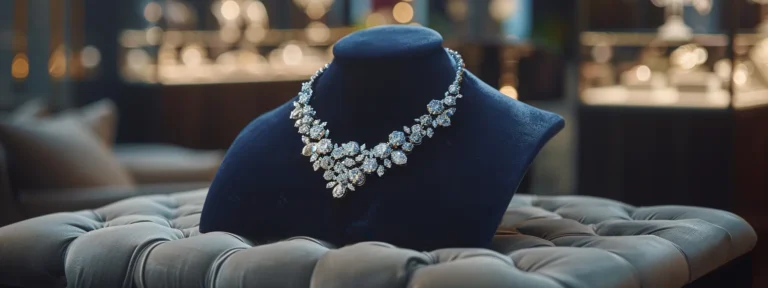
{"x":454,"y":189}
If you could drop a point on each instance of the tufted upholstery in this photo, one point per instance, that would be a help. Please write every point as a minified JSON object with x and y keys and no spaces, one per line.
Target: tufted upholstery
{"x":573,"y":241}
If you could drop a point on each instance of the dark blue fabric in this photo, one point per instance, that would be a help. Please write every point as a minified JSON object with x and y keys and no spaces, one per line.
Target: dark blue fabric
{"x":454,"y":189}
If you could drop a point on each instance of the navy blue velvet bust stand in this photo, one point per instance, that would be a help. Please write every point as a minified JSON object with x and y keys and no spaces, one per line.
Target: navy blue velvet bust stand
{"x":454,"y":189}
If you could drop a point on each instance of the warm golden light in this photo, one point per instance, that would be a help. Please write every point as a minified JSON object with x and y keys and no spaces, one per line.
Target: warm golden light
{"x":230,"y":10}
{"x":315,"y":10}
{"x":643,"y":73}
{"x":257,"y":13}
{"x":57,"y":64}
{"x":292,"y":54}
{"x":318,"y":32}
{"x":375,"y":19}
{"x":192,"y":55}
{"x":20,"y":66}
{"x":509,"y":91}
{"x":154,"y":35}
{"x":153,"y":12}
{"x":502,"y":9}
{"x":402,"y":12}
{"x":701,"y":55}
{"x":90,"y":57}
{"x":136,"y":59}
{"x":741,"y":74}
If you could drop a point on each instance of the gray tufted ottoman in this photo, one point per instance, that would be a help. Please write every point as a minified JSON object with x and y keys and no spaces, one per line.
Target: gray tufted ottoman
{"x":153,"y":241}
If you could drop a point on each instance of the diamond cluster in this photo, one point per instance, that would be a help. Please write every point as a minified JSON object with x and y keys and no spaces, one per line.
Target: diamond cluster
{"x":347,"y":165}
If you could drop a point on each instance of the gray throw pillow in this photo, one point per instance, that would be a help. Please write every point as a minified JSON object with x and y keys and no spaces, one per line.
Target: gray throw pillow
{"x":59,"y":153}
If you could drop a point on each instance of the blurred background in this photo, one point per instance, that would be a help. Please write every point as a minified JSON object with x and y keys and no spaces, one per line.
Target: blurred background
{"x":664,"y":100}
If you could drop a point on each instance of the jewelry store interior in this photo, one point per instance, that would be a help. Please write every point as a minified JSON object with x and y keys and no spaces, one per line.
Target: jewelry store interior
{"x":609,"y":129}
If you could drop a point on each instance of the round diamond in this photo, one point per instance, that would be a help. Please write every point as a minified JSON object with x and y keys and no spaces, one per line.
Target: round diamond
{"x":337,"y":153}
{"x":306,"y":119}
{"x":356,"y":177}
{"x":425,"y":120}
{"x":326,"y":162}
{"x":351,"y":148}
{"x":349,"y":162}
{"x":324,"y":146}
{"x":342,"y":178}
{"x":399,"y":158}
{"x":316,"y":132}
{"x":307,"y":150}
{"x":396,"y":139}
{"x":415,"y":138}
{"x":328,"y":175}
{"x":449,"y":100}
{"x":382,"y":150}
{"x":453,"y":89}
{"x":443,"y":120}
{"x":339,"y":191}
{"x":417,"y":129}
{"x":435,"y":107}
{"x":370,"y":165}
{"x":304,"y":129}
{"x":408,"y":147}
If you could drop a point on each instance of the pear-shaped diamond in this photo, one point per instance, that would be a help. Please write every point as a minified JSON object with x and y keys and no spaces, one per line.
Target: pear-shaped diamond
{"x":339,"y":191}
{"x":380,"y":171}
{"x":328,"y":175}
{"x":324,"y":146}
{"x":370,"y":165}
{"x":435,"y":107}
{"x":330,"y":185}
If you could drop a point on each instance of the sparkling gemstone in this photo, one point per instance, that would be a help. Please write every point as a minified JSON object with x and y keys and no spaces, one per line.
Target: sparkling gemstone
{"x":351,"y":187}
{"x":356,"y":177}
{"x":351,"y":148}
{"x":430,"y":132}
{"x":449,"y":112}
{"x":316,"y":132}
{"x":380,"y":171}
{"x":360,"y":158}
{"x":297,"y":124}
{"x":434,"y":123}
{"x":415,"y":138}
{"x":296,"y":113}
{"x":339,"y":191}
{"x":328,"y":175}
{"x":303,"y":98}
{"x":307,"y":110}
{"x":453,"y":89}
{"x":313,"y":158}
{"x":425,"y":120}
{"x":330,"y":185}
{"x":327,"y":133}
{"x":449,"y":100}
{"x":307,"y":150}
{"x":417,"y":129}
{"x":396,"y":138}
{"x":326,"y":162}
{"x":349,"y":162}
{"x":339,"y":168}
{"x":362,"y":147}
{"x":342,"y":178}
{"x":408,"y":147}
{"x":306,"y":119}
{"x":324,"y":146}
{"x":304,"y":129}
{"x":399,"y":158}
{"x":370,"y":165}
{"x":337,"y":153}
{"x":407,"y":130}
{"x":459,"y":96}
{"x":443,"y":120}
{"x":316,"y":165}
{"x":387,"y":163}
{"x":296,"y":104}
{"x":382,"y":150}
{"x":305,"y":139}
{"x":317,"y":122}
{"x":435,"y":107}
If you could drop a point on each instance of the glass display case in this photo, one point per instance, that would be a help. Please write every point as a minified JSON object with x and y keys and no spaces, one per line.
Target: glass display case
{"x":686,"y":53}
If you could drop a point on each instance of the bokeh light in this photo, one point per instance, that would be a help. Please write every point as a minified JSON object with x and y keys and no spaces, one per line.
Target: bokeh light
{"x":402,"y":12}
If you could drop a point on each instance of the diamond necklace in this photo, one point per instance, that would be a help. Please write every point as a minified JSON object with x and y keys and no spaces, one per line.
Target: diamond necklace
{"x":345,"y":166}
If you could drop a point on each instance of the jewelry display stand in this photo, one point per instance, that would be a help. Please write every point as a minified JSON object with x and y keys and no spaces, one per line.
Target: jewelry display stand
{"x":380,"y":80}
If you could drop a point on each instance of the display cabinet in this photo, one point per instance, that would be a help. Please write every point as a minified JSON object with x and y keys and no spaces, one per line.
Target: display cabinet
{"x":673,"y":106}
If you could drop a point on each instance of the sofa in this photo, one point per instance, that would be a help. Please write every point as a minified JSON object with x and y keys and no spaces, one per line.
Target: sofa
{"x":543,"y":241}
{"x":68,"y":160}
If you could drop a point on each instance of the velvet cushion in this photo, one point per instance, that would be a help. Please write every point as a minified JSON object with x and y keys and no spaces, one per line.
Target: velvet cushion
{"x":453,"y":190}
{"x":59,"y":152}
